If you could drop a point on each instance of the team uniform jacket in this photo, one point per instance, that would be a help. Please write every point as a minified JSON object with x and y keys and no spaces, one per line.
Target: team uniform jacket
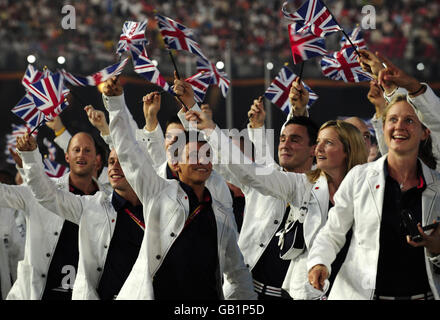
{"x":166,"y":208}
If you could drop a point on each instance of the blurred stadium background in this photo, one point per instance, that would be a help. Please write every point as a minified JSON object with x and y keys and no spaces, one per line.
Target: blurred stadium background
{"x":245,"y":35}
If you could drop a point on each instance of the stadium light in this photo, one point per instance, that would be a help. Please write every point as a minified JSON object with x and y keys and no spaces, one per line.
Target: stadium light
{"x":269,"y":66}
{"x":220,"y":65}
{"x":61,"y":60}
{"x":420,"y":66}
{"x":31,"y":58}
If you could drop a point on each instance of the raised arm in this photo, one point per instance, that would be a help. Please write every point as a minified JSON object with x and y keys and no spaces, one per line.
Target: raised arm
{"x":137,"y":165}
{"x":375,"y":96}
{"x":267,"y":180}
{"x":258,"y":135}
{"x":152,"y":131}
{"x":44,"y":190}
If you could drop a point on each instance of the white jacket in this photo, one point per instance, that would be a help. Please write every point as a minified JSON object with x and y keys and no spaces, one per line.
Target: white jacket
{"x":11,"y":249}
{"x":266,"y":200}
{"x":358,"y":205}
{"x":166,"y":207}
{"x":42,"y":232}
{"x":95,"y":216}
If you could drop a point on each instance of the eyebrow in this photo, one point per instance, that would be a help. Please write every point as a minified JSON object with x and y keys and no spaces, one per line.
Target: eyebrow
{"x":291,"y":136}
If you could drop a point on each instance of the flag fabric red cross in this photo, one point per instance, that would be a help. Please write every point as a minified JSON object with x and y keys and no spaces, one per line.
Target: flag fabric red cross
{"x":356,"y":38}
{"x":31,"y":75}
{"x":96,"y":78}
{"x":200,"y":83}
{"x":27,"y":110}
{"x":53,"y":169}
{"x":313,"y":16}
{"x":343,"y":65}
{"x":278,"y":91}
{"x":133,"y":34}
{"x":48,"y":97}
{"x":145,"y":68}
{"x":177,"y":36}
{"x":305,"y":45}
{"x":219,"y":78}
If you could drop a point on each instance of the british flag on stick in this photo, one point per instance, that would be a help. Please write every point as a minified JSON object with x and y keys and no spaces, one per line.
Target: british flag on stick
{"x":28,"y":111}
{"x":313,"y":16}
{"x":177,"y":36}
{"x":278,"y":91}
{"x":218,"y":78}
{"x":343,"y":65}
{"x":132,"y":36}
{"x":200,"y":83}
{"x":145,"y":68}
{"x":48,"y":96}
{"x":305,"y":45}
{"x":31,"y":75}
{"x":96,"y":78}
{"x":356,"y":38}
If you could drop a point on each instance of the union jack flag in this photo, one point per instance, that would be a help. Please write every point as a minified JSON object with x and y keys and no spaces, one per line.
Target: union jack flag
{"x":54,"y":169}
{"x":48,"y":96}
{"x":219,"y":78}
{"x":200,"y":83}
{"x":356,"y":38}
{"x":305,"y":45}
{"x":278,"y":91}
{"x":313,"y":16}
{"x":145,"y":68}
{"x":28,"y":111}
{"x":343,"y":65}
{"x":31,"y":75}
{"x":177,"y":36}
{"x":133,"y":34}
{"x":96,"y":78}
{"x":18,"y":130}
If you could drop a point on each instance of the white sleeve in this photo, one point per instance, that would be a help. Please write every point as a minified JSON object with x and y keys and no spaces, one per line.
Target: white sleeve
{"x":287,"y":186}
{"x":60,"y":202}
{"x":181,"y":115}
{"x":63,"y":140}
{"x":427,"y":108}
{"x":16,"y":197}
{"x":136,"y":164}
{"x":331,"y":238}
{"x":155,"y":144}
{"x":378,"y":129}
{"x":264,"y":149}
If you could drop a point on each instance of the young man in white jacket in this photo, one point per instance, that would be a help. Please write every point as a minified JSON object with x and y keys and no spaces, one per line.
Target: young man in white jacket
{"x":111,"y":227}
{"x":49,"y":267}
{"x":182,"y":237}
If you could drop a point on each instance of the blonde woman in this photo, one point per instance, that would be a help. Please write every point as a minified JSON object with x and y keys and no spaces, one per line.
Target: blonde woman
{"x":385,"y":203}
{"x":340,"y":146}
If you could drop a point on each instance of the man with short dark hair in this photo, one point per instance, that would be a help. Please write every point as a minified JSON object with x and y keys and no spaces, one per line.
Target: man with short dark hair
{"x":191,"y":237}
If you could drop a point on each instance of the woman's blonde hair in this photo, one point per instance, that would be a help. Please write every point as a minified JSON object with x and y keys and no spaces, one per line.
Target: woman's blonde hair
{"x":425,"y":146}
{"x":353,"y":142}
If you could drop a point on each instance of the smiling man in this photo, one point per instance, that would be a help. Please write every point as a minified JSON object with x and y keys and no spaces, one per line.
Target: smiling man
{"x":191,"y":239}
{"x":111,"y":227}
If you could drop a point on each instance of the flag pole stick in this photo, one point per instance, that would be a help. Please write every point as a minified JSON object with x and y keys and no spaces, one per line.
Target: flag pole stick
{"x":301,"y":71}
{"x":342,"y":29}
{"x":174,"y":63}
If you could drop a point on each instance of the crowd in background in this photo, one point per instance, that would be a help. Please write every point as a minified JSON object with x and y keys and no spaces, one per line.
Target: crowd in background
{"x":407,"y":31}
